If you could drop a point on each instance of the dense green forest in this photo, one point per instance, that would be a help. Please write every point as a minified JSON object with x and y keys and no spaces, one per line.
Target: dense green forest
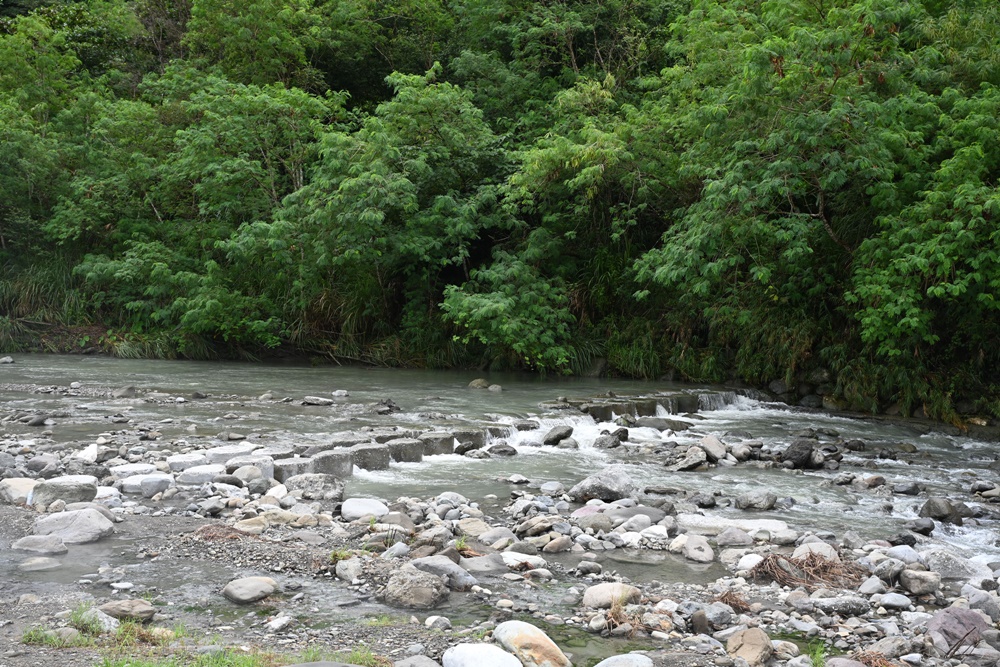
{"x":704,"y":189}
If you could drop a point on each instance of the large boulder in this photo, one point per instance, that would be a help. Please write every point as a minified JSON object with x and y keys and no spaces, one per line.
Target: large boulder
{"x":68,"y":488}
{"x":478,"y":655}
{"x":953,"y":626}
{"x":612,"y":483}
{"x":249,"y":589}
{"x":76,"y":527}
{"x":530,"y":645}
{"x":752,"y":645}
{"x":411,"y":588}
{"x":800,"y":453}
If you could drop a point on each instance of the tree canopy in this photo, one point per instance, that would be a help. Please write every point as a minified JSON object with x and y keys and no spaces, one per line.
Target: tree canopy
{"x":701,"y":189}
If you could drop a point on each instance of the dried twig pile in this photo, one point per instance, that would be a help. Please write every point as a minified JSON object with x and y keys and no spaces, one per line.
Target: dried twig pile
{"x":873,"y":659}
{"x":735,"y":601}
{"x":811,"y":571}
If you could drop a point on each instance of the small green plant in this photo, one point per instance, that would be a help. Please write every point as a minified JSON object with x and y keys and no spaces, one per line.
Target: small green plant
{"x":338,"y":555}
{"x":312,"y":654}
{"x":364,"y":657}
{"x":372,"y":522}
{"x":37,"y":636}
{"x":381,"y":621}
{"x":86,"y":622}
{"x":461,"y":544}
{"x":816,"y":651}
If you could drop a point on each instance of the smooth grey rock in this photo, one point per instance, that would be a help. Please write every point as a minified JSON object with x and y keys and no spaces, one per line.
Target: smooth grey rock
{"x":733,"y":537}
{"x":180,"y":462}
{"x":249,"y":589}
{"x":68,"y":488}
{"x":824,"y":549}
{"x":457,"y":578}
{"x":758,"y":500}
{"x":46,"y":545}
{"x":696,"y":548}
{"x":895,"y":601}
{"x":198,"y":475}
{"x":76,"y":527}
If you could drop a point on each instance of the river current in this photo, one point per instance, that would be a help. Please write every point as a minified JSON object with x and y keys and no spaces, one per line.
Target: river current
{"x":944,"y":464}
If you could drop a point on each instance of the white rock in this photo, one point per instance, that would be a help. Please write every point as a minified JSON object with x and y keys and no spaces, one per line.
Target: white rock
{"x":478,"y":655}
{"x":356,"y":508}
{"x":514,"y":559}
{"x":198,"y":475}
{"x":713,"y":525}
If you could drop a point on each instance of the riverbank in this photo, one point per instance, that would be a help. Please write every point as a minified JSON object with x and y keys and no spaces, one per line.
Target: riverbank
{"x":215,"y":494}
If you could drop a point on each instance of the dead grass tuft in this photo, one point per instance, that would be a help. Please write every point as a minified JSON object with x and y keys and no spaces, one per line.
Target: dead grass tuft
{"x":216,"y":532}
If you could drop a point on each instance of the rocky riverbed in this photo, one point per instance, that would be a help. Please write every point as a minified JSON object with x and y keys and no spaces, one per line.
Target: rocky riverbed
{"x":210,"y":537}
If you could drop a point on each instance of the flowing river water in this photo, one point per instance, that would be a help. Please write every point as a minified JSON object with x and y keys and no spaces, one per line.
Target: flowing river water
{"x":944,"y":464}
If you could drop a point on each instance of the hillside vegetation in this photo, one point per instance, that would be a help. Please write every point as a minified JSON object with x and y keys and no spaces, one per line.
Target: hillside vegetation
{"x":705,"y":189}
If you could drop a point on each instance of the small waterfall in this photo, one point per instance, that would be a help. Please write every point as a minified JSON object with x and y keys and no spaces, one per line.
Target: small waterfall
{"x":716,"y":400}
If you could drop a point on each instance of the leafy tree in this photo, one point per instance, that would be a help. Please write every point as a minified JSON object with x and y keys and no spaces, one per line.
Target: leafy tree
{"x":255,"y":41}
